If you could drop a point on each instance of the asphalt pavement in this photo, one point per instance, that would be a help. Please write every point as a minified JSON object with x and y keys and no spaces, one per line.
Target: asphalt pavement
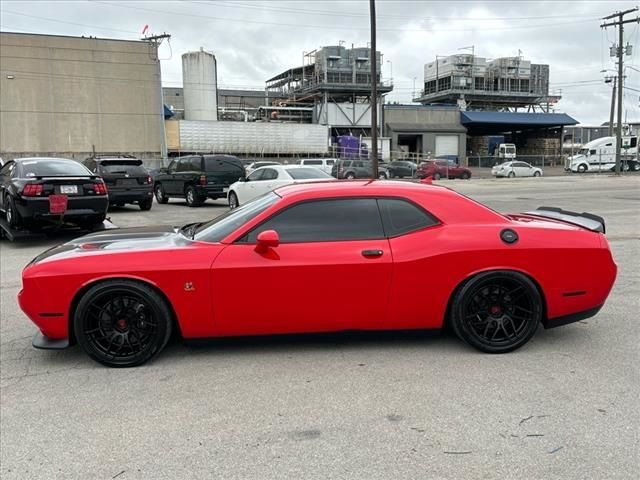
{"x":386,"y":406}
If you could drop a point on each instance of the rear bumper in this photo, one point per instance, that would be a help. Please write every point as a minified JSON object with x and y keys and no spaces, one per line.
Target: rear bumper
{"x":217,"y":191}
{"x":130,"y":195}
{"x":574,"y":317}
{"x":78,"y":208}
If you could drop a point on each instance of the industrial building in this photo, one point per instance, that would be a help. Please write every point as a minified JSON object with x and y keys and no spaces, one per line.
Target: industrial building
{"x":71,"y":96}
{"x":475,"y":83}
{"x":331,"y":87}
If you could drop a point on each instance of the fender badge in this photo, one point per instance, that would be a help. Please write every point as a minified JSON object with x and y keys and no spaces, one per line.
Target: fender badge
{"x":188,"y":287}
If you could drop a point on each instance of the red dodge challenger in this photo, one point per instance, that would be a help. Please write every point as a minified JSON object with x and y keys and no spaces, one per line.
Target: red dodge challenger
{"x":491,"y":277}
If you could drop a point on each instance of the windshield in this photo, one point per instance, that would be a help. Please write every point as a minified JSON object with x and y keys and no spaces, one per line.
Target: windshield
{"x":53,"y":168}
{"x":307,"y":173}
{"x":220,"y":227}
{"x":583,"y":151}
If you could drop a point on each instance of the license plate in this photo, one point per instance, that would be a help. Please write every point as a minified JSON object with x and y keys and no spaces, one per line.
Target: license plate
{"x":58,"y":204}
{"x":128,"y":182}
{"x":68,"y":189}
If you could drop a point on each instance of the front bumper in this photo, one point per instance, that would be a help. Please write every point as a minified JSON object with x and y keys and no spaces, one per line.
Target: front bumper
{"x":46,"y":343}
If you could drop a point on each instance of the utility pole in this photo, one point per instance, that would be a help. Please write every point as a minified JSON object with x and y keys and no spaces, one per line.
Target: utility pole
{"x":620,"y":51}
{"x":374,"y":90}
{"x":613,"y":102}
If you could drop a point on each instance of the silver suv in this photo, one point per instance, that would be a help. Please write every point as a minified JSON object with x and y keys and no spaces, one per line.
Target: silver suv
{"x":360,"y":168}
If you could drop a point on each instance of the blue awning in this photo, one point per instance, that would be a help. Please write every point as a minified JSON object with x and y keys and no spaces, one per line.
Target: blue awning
{"x":512,"y":121}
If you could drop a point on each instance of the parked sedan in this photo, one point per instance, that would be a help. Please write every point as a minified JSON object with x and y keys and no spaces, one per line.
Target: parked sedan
{"x":401,"y":168}
{"x":36,"y":191}
{"x":516,"y":169}
{"x":265,"y":179}
{"x":442,"y":168}
{"x":492,"y":278}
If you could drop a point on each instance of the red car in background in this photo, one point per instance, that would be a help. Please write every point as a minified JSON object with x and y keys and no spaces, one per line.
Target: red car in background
{"x":442,"y":168}
{"x":493,"y":278}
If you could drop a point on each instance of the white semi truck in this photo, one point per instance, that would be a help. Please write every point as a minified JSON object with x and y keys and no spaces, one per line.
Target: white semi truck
{"x":600,"y":156}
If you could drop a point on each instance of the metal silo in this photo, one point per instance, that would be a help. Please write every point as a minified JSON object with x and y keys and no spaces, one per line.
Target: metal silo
{"x":199,"y":77}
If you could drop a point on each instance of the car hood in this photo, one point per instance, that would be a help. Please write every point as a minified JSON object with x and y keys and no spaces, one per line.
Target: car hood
{"x":119,"y":239}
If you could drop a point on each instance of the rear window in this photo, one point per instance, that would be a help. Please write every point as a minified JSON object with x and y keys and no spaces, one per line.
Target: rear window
{"x":400,"y":217}
{"x":132,"y":167}
{"x":223,"y":164}
{"x":53,"y":168}
{"x":307,"y":173}
{"x":312,"y":162}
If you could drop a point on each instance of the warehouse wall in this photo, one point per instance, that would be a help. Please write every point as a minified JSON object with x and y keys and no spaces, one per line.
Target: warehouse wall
{"x":66,"y":96}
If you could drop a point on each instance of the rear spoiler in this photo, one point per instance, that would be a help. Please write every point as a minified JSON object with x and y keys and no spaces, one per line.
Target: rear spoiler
{"x":585,"y":220}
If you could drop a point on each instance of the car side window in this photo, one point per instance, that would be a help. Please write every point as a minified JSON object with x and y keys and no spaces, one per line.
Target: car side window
{"x":7,"y":168}
{"x":172,"y":166}
{"x":325,"y":221}
{"x":255,"y":175}
{"x":269,"y":174}
{"x":184,"y":165}
{"x":313,"y":162}
{"x":196,"y":164}
{"x":331,"y":162}
{"x":400,"y":217}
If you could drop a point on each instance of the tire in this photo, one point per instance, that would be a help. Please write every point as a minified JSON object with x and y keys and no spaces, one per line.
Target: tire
{"x":145,"y":205}
{"x":465,"y":176}
{"x":382,"y":176}
{"x":233,"y":201}
{"x":350,"y":176}
{"x":511,"y":174}
{"x":392,"y":175}
{"x":496,"y":312}
{"x":437,"y":176}
{"x":192,"y":198}
{"x":582,"y":168}
{"x":122,"y":323}
{"x":635,"y":166}
{"x":11,"y":214}
{"x":536,"y":174}
{"x":161,"y":196}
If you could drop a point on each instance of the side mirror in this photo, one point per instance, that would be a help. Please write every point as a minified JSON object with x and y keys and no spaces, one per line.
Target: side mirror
{"x":267,"y":239}
{"x":242,"y":179}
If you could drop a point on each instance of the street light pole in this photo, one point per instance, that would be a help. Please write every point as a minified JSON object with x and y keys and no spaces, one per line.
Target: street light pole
{"x":374,"y":90}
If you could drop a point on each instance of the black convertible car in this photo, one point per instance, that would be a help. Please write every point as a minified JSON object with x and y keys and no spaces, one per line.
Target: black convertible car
{"x":37,"y":191}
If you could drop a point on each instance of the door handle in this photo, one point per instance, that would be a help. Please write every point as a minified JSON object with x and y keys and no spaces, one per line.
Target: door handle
{"x":372,"y":253}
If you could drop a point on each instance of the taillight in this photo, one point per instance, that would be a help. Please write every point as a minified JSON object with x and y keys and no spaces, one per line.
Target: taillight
{"x":149,"y":179}
{"x":203,"y":179}
{"x":32,"y":190}
{"x":100,"y":188}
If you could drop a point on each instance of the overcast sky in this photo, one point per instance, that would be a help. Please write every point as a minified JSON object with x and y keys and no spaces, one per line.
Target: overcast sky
{"x":254,"y":40}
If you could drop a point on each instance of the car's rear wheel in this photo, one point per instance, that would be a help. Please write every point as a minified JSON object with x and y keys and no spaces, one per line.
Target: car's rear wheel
{"x":13,"y":217}
{"x":145,"y":204}
{"x":437,"y":176}
{"x":161,"y":196}
{"x":382,"y":175}
{"x":192,"y":198}
{"x":121,"y":323}
{"x":350,"y":176}
{"x":233,"y":200}
{"x":497,"y":312}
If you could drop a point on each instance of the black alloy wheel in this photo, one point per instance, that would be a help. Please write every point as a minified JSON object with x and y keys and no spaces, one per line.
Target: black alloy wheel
{"x":497,"y":312}
{"x":161,"y":196}
{"x":121,"y":323}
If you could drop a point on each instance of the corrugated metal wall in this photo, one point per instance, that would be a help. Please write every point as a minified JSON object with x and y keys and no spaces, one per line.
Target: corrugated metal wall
{"x":253,"y":138}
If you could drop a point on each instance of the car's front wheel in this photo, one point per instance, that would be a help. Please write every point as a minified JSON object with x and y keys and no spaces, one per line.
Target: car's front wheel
{"x":511,"y":174}
{"x":536,"y":173}
{"x":437,"y":176}
{"x":161,"y":196}
{"x":582,"y":168}
{"x":497,"y":312}
{"x":122,"y":323}
{"x":233,"y":200}
{"x":350,"y":176}
{"x":465,"y":176}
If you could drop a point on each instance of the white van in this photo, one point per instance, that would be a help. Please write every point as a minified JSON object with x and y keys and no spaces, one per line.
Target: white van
{"x":599,"y":155}
{"x":324,"y":164}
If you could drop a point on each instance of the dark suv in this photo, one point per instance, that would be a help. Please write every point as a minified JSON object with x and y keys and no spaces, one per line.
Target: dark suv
{"x":361,"y":168}
{"x":198,"y":177}
{"x":127,"y":180}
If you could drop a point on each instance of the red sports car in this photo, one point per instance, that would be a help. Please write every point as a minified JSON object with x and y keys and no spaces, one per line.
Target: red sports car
{"x":493,"y":278}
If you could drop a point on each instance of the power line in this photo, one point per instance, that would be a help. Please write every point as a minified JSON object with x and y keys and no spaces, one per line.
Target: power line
{"x":48,"y":19}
